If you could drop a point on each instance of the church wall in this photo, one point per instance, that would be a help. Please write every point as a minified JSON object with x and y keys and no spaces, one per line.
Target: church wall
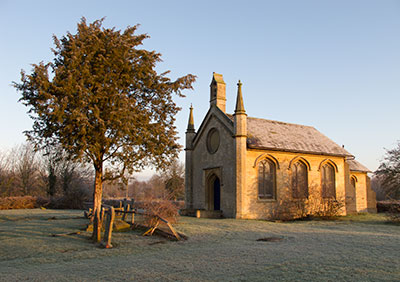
{"x":220,"y":163}
{"x":361,"y":191}
{"x":265,"y":208}
{"x":351,"y":195}
{"x":366,"y":197}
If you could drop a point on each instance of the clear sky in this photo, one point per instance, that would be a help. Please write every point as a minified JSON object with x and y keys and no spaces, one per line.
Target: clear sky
{"x":334,"y":65}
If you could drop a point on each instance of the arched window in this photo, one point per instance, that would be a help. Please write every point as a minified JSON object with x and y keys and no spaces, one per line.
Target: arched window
{"x":353,"y":181}
{"x":328,"y":181}
{"x":266,"y":179}
{"x":299,"y":180}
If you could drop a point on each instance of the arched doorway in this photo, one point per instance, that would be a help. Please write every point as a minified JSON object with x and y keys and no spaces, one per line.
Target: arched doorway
{"x":217,"y":194}
{"x":214,"y":193}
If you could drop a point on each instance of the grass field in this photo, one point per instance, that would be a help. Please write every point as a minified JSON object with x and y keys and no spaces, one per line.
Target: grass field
{"x":356,"y":248}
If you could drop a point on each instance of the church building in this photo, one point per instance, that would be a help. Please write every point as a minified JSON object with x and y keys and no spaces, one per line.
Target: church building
{"x":244,"y":167}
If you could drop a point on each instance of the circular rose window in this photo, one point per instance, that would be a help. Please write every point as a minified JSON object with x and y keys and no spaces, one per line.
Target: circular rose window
{"x":212,"y":141}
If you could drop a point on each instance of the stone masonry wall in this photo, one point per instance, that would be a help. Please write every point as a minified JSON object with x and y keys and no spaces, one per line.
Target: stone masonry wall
{"x":222,"y":161}
{"x":257,"y":208}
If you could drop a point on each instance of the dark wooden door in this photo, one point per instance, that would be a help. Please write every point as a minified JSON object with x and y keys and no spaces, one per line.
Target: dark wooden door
{"x":217,"y":194}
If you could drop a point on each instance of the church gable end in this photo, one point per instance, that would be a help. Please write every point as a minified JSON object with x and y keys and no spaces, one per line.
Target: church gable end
{"x":213,"y":156}
{"x":214,"y":115}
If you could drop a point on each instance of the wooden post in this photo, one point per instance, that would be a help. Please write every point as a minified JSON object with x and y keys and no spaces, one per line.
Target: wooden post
{"x":171,"y":228}
{"x":155,"y":227}
{"x":109,"y":226}
{"x":152,"y":229}
{"x":133,"y":212}
{"x":133,"y":218}
{"x":90,"y":215}
{"x":126,"y":208}
{"x":173,"y":231}
{"x":103,"y":210}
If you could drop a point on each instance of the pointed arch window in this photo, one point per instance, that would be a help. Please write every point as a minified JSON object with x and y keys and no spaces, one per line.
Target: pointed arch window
{"x":266,"y":180}
{"x":353,"y":181}
{"x":328,"y":181}
{"x":299,"y":180}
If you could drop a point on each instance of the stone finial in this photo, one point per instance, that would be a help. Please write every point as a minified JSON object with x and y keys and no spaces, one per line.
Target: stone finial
{"x":239,"y":100}
{"x":190,"y":127}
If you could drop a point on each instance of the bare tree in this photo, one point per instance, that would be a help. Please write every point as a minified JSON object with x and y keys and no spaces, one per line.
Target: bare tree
{"x":7,"y":178}
{"x":157,"y":184}
{"x":389,"y":172}
{"x":26,"y":169}
{"x":377,"y":187}
{"x":167,"y":184}
{"x":175,"y":180}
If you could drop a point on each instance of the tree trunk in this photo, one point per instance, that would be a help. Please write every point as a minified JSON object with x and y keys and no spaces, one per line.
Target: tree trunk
{"x":97,"y":197}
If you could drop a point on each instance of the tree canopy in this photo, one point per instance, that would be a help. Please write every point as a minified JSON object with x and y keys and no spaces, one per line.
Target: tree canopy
{"x":102,"y":100}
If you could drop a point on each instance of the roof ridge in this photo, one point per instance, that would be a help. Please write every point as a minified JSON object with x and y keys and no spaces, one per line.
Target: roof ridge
{"x":283,"y":122}
{"x":277,"y":121}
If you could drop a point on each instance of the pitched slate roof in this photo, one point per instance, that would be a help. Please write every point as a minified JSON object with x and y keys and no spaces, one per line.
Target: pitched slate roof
{"x":356,"y":166}
{"x":282,"y":136}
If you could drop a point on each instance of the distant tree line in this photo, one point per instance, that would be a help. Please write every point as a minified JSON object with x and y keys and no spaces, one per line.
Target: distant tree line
{"x":168,"y":184}
{"x":26,"y":172}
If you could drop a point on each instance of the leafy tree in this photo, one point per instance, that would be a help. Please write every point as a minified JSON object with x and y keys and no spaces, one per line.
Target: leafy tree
{"x":51,"y":177}
{"x":49,"y":170}
{"x":104,"y":103}
{"x":389,"y":173}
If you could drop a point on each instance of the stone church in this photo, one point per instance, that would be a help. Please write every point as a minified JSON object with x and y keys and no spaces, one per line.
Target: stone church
{"x":244,"y":167}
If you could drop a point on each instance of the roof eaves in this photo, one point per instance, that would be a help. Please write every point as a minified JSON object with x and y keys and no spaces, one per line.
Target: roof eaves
{"x":299,"y":151}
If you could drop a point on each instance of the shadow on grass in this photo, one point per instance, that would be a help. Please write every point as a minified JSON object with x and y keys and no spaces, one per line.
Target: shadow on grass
{"x":361,"y":218}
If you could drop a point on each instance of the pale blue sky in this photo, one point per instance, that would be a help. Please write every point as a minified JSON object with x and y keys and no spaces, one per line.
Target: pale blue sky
{"x":334,"y":65}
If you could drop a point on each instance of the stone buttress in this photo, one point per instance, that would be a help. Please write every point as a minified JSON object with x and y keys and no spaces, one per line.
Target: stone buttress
{"x":240,"y":134}
{"x":190,"y":134}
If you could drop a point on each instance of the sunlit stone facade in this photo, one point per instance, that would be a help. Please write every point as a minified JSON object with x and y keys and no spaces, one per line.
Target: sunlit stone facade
{"x":243,"y":167}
